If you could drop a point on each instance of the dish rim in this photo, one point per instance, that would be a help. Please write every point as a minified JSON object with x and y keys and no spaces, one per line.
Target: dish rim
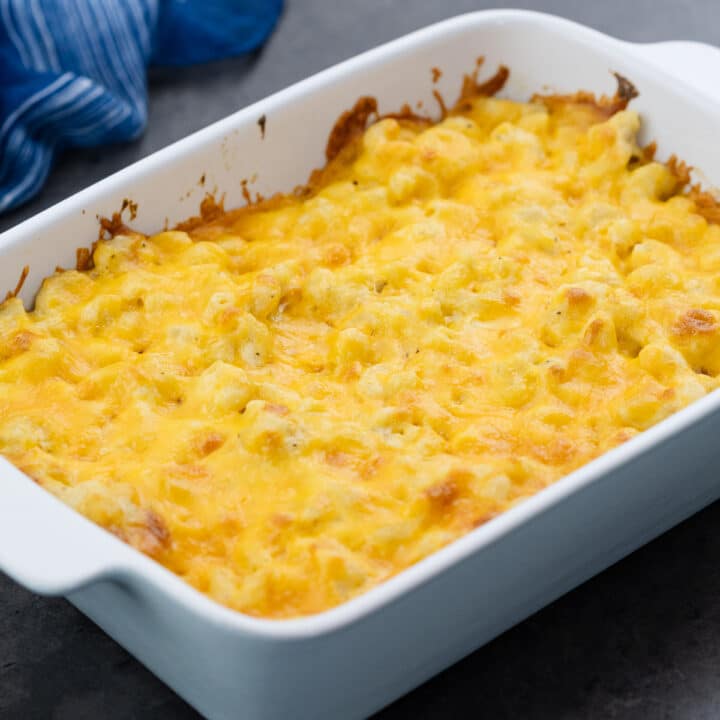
{"x":132,"y":567}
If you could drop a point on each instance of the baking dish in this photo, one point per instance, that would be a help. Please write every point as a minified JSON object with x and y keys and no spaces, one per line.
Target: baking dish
{"x":354,"y":659}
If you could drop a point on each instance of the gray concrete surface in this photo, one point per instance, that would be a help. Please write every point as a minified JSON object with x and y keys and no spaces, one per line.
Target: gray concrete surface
{"x":642,"y":640}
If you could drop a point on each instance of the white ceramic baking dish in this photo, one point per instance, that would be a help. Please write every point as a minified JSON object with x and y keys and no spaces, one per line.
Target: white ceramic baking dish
{"x":354,"y":659}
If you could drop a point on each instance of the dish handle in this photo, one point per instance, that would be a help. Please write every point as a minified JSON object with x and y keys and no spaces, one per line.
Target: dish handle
{"x":695,"y":63}
{"x":45,"y":545}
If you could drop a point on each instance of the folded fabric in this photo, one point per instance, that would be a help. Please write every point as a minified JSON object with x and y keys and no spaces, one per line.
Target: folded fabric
{"x":73,"y":72}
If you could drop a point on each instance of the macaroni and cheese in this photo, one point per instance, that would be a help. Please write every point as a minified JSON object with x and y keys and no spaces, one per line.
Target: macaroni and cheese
{"x":289,"y":403}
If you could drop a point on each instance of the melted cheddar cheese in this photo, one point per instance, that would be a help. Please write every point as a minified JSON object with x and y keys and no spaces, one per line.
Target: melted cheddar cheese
{"x":290,"y":403}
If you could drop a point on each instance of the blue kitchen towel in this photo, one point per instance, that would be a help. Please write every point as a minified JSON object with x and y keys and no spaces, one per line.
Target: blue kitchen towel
{"x":73,"y":72}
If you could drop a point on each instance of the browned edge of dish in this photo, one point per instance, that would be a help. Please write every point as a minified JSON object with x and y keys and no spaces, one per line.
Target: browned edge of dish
{"x":352,"y":123}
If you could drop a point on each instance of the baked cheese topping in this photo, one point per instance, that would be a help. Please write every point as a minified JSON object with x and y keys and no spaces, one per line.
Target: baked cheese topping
{"x":290,"y":403}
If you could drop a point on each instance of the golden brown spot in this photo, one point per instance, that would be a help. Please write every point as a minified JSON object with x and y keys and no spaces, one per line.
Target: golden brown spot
{"x":282,"y":519}
{"x":19,"y":343}
{"x":277,"y":409}
{"x":441,"y":103}
{"x":626,"y":91}
{"x":271,"y":441}
{"x":442,"y":495}
{"x":154,"y":537}
{"x":210,"y":443}
{"x":511,"y":297}
{"x":18,"y":287}
{"x":83,"y":259}
{"x":446,"y":493}
{"x":472,"y":88}
{"x":706,"y":204}
{"x":605,"y":106}
{"x":118,"y":532}
{"x":350,"y":126}
{"x":128,"y":204}
{"x":645,"y":156}
{"x":577,"y":296}
{"x":624,"y":435}
{"x":556,"y":452}
{"x":19,"y":462}
{"x":210,"y":210}
{"x":245,"y":192}
{"x":406,"y":115}
{"x":680,"y":170}
{"x":111,"y":227}
{"x":262,"y":120}
{"x":337,"y":254}
{"x":228,"y":315}
{"x":22,"y":341}
{"x":338,"y":459}
{"x":482,"y":519}
{"x":593,"y":331}
{"x":648,"y":152}
{"x":436,"y":73}
{"x":232,"y":523}
{"x":695,"y":322}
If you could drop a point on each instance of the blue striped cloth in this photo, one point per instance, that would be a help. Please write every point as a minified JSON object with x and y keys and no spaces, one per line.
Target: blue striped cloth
{"x":73,"y":72}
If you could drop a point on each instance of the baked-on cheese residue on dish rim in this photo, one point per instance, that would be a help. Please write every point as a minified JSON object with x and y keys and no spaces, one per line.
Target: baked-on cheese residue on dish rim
{"x":289,"y":403}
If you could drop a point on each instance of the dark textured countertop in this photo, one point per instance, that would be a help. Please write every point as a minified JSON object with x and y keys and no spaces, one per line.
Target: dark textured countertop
{"x":642,"y":640}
